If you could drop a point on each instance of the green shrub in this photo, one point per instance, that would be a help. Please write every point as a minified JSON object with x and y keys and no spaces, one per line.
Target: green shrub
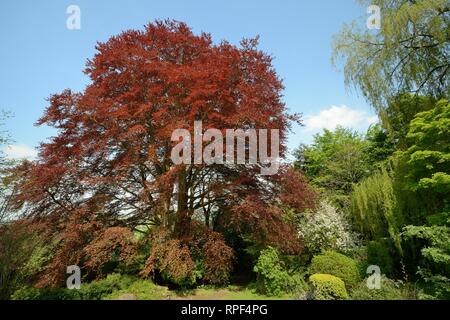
{"x":23,"y":254}
{"x":389,"y":290}
{"x":359,"y":254}
{"x":95,"y":290}
{"x":298,"y":286}
{"x":273,"y":277}
{"x":26,"y":293}
{"x":336,"y":264}
{"x":141,"y":289}
{"x":327,"y":287}
{"x":31,"y":293}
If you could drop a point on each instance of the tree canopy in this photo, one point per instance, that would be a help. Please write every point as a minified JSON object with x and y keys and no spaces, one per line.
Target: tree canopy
{"x":338,"y":159}
{"x":109,"y":169}
{"x":409,"y":54}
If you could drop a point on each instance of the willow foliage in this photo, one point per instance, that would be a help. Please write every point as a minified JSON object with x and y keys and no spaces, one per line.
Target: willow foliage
{"x":408,"y":54}
{"x":374,"y":205}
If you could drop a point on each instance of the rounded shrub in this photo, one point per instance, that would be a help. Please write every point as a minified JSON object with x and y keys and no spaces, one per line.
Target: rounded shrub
{"x":336,"y":264}
{"x":327,"y":287}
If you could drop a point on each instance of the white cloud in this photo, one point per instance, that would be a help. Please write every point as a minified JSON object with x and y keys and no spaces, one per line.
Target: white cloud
{"x":338,"y":116}
{"x":20,"y":151}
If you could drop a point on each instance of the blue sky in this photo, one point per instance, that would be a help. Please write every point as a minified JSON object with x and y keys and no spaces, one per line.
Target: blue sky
{"x":40,"y":56}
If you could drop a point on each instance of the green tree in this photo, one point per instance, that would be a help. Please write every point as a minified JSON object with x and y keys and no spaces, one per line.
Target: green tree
{"x":409,"y":54}
{"x":428,"y":156}
{"x":434,"y":270}
{"x":428,"y":163}
{"x":380,"y":145}
{"x":21,"y":250}
{"x":399,"y":113}
{"x":334,"y":162}
{"x":374,"y":207}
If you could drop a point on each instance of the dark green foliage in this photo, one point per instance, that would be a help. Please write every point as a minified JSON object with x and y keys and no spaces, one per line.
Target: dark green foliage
{"x":435,"y":269}
{"x":23,"y":254}
{"x":31,"y":293}
{"x":95,"y":290}
{"x":336,"y":264}
{"x":399,"y":113}
{"x":379,"y":145}
{"x":381,"y":253}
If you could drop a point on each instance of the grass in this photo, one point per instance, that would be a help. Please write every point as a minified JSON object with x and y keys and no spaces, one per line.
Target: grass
{"x":234,"y":293}
{"x":147,"y":290}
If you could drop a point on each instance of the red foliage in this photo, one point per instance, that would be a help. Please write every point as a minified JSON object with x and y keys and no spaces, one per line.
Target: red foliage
{"x":110,"y":161}
{"x":115,"y":138}
{"x":218,"y":258}
{"x":294,"y":191}
{"x":174,"y":257}
{"x":69,"y":240}
{"x":265,"y":224}
{"x":112,"y":243}
{"x":168,"y":256}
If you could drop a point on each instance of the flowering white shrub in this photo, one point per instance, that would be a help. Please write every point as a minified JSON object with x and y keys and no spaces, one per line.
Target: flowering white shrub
{"x":326,"y":229}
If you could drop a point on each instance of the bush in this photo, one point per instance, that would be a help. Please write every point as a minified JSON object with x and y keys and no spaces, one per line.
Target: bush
{"x":171,"y":258}
{"x":336,"y":264}
{"x":326,"y":228}
{"x":95,"y":290}
{"x":218,"y":258}
{"x":273,"y":278}
{"x":389,"y":290}
{"x":113,"y":245}
{"x":31,"y":293}
{"x":359,"y":254}
{"x":23,"y":254}
{"x":204,"y":256}
{"x":140,"y":289}
{"x":327,"y":287}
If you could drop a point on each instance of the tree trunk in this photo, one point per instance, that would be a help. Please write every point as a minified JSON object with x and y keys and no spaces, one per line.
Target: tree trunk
{"x":182,"y":218}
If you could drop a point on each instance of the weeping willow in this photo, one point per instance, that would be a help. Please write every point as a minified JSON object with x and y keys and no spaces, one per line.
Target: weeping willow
{"x":374,"y":206}
{"x":409,"y":53}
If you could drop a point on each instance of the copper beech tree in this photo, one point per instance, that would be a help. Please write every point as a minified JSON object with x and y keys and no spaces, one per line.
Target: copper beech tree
{"x":108,"y":171}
